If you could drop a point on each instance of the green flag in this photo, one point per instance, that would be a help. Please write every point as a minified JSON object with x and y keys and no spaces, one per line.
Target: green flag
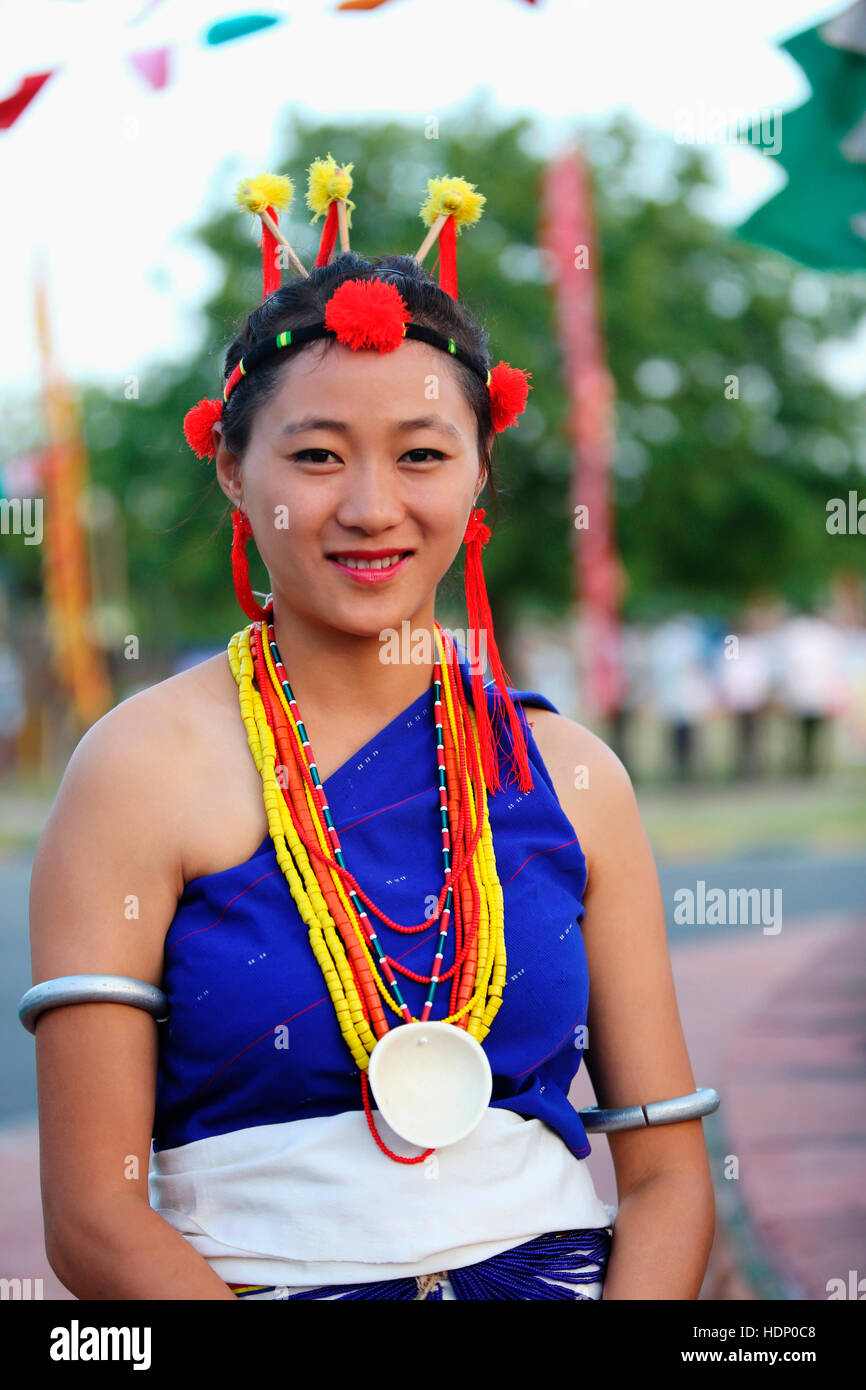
{"x":818,"y":217}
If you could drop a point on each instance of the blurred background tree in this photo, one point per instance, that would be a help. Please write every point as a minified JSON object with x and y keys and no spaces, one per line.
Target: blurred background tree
{"x":729,"y":441}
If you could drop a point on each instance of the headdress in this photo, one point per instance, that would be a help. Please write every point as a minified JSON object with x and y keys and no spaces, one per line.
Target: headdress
{"x":369,"y":313}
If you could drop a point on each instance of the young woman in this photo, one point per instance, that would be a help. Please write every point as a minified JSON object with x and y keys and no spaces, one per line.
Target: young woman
{"x":271,"y":1175}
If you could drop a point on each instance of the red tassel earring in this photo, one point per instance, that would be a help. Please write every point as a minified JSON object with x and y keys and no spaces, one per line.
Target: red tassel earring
{"x":241,"y":532}
{"x":480,"y":621}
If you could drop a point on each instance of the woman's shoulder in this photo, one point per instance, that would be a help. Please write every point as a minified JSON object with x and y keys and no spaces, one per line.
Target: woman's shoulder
{"x":165,"y":756}
{"x":162,"y":720}
{"x":590,"y":780}
{"x":562,"y":740}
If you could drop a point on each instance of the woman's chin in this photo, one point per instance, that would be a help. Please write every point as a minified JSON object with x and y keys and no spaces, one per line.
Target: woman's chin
{"x":378,"y":621}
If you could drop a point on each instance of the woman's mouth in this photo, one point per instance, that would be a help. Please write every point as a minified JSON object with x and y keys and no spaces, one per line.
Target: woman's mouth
{"x":371,"y":571}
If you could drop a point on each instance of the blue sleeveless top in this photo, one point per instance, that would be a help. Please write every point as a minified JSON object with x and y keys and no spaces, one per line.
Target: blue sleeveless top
{"x":239,"y":969}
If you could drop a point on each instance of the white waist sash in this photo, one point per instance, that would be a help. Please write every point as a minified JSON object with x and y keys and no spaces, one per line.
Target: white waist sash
{"x":315,"y":1201}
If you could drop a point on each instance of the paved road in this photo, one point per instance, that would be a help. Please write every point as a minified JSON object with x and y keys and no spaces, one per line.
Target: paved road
{"x":810,"y":886}
{"x":17,"y":1053}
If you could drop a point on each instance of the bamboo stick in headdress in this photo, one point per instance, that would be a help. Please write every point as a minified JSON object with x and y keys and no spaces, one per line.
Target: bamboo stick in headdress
{"x":263,"y":195}
{"x":328,"y":189}
{"x":430,"y":237}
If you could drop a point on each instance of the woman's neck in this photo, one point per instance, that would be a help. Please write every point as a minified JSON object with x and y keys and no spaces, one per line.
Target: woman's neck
{"x":345,"y":681}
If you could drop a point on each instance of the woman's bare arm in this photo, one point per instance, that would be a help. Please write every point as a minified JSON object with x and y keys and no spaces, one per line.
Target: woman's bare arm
{"x":635,"y":1051}
{"x":105,"y":884}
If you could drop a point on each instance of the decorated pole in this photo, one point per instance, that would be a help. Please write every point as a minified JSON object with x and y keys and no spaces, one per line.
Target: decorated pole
{"x":569,"y":237}
{"x":79,"y":664}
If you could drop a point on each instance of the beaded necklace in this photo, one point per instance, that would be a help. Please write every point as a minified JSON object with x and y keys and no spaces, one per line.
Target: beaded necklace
{"x":358,"y":972}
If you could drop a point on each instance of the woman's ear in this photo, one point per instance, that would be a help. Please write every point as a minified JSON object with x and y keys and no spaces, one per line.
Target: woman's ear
{"x":227,"y":467}
{"x":483,"y":475}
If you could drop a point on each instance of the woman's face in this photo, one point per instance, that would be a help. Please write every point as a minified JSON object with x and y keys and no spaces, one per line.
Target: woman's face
{"x":359,"y":451}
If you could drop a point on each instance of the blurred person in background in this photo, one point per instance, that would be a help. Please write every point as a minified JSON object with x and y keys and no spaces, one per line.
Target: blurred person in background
{"x":681,"y":684}
{"x":848,"y":612}
{"x":636,"y":690}
{"x":745,"y":674}
{"x":811,"y":680}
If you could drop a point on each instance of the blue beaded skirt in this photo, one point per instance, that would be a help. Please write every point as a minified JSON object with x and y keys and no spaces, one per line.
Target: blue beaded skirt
{"x":557,"y":1265}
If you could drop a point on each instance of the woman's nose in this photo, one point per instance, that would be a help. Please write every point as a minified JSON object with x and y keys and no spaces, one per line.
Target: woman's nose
{"x":371,"y":502}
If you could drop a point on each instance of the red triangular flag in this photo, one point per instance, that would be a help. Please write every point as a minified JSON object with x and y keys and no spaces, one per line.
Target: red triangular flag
{"x":11,"y":107}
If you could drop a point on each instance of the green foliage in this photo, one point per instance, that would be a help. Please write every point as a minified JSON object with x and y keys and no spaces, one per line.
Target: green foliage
{"x":715,"y":498}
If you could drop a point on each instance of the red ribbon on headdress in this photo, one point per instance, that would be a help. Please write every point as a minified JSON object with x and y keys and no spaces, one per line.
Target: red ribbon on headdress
{"x":271,"y":277}
{"x":329,"y":234}
{"x":476,"y":536}
{"x":448,"y":257}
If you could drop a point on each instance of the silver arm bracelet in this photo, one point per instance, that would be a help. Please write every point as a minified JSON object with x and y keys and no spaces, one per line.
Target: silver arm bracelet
{"x":91,"y":989}
{"x":657,"y":1112}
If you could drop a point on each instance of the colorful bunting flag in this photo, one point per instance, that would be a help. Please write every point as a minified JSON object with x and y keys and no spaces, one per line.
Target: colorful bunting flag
{"x":227,"y":30}
{"x":12,"y":106}
{"x":374,"y":4}
{"x":152,"y":65}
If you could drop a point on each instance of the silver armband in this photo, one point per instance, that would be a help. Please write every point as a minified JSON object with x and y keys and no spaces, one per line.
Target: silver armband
{"x":656,"y":1112}
{"x":91,"y":989}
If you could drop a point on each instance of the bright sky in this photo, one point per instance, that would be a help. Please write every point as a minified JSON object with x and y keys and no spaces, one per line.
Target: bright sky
{"x":104,"y":178}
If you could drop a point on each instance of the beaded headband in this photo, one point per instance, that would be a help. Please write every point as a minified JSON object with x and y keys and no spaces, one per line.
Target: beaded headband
{"x":367,"y":311}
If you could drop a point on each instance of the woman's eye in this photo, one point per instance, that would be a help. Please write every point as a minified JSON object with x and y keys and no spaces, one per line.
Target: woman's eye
{"x":307,"y":453}
{"x":322,"y":455}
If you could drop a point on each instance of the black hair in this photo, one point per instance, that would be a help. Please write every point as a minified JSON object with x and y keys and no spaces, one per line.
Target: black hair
{"x":303,"y":301}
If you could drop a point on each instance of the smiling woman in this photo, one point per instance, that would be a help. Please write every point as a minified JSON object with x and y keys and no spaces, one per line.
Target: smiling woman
{"x":299,"y":909}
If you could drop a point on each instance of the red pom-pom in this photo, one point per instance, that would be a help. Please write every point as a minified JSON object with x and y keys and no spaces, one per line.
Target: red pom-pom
{"x":509,"y":388}
{"x":368,"y":313}
{"x":198,"y":424}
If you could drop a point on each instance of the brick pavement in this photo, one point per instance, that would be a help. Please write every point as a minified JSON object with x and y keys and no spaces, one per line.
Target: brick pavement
{"x":22,"y":1248}
{"x":751,"y":1006}
{"x":796,"y":1084}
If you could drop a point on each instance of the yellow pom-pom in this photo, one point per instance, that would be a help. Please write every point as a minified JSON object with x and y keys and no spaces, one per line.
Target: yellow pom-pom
{"x":325,"y":184}
{"x":455,"y":198}
{"x":265,"y":191}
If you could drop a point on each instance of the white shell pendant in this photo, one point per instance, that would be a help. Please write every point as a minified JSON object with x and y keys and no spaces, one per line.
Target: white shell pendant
{"x":431,"y":1082}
